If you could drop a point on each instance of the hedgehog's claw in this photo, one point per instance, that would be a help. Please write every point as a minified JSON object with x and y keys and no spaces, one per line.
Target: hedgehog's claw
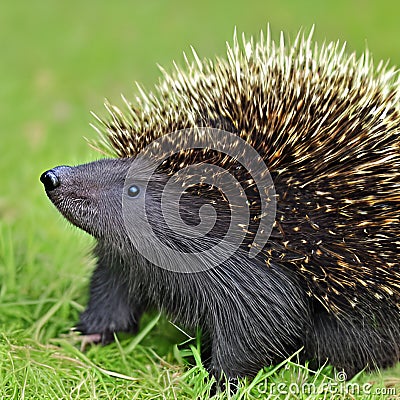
{"x":93,"y":338}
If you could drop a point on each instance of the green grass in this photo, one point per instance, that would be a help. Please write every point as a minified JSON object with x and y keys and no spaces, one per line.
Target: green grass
{"x":58,"y":61}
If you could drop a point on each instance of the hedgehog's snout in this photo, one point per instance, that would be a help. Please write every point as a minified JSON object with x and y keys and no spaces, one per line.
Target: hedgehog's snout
{"x":51,"y":178}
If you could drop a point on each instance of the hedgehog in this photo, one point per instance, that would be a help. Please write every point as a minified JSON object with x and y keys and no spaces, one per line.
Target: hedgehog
{"x":324,"y":124}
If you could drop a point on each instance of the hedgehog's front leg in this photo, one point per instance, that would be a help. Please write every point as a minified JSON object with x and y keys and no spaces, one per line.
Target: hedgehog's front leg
{"x":111,"y":307}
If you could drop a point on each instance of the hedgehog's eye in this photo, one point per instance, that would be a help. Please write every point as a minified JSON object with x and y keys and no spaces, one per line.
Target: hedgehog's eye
{"x":133,"y":191}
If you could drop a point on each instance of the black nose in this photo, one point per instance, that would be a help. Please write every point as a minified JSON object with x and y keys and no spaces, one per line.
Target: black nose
{"x":50,"y":180}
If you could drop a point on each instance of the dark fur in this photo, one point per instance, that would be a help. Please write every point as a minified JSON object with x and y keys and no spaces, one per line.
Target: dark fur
{"x":251,"y":314}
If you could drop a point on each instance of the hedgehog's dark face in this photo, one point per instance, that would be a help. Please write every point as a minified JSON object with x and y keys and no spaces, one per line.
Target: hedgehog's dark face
{"x":117,"y":202}
{"x":90,"y":195}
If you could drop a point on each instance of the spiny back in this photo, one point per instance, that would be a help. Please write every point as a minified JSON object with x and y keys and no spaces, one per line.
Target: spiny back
{"x":327,"y":125}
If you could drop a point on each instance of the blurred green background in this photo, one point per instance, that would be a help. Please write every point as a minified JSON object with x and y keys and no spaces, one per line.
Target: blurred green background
{"x":59,"y":60}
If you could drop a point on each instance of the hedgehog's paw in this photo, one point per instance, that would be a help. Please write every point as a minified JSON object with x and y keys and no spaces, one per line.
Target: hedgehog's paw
{"x":89,"y":337}
{"x":86,"y":340}
{"x":76,"y":336}
{"x":97,"y":328}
